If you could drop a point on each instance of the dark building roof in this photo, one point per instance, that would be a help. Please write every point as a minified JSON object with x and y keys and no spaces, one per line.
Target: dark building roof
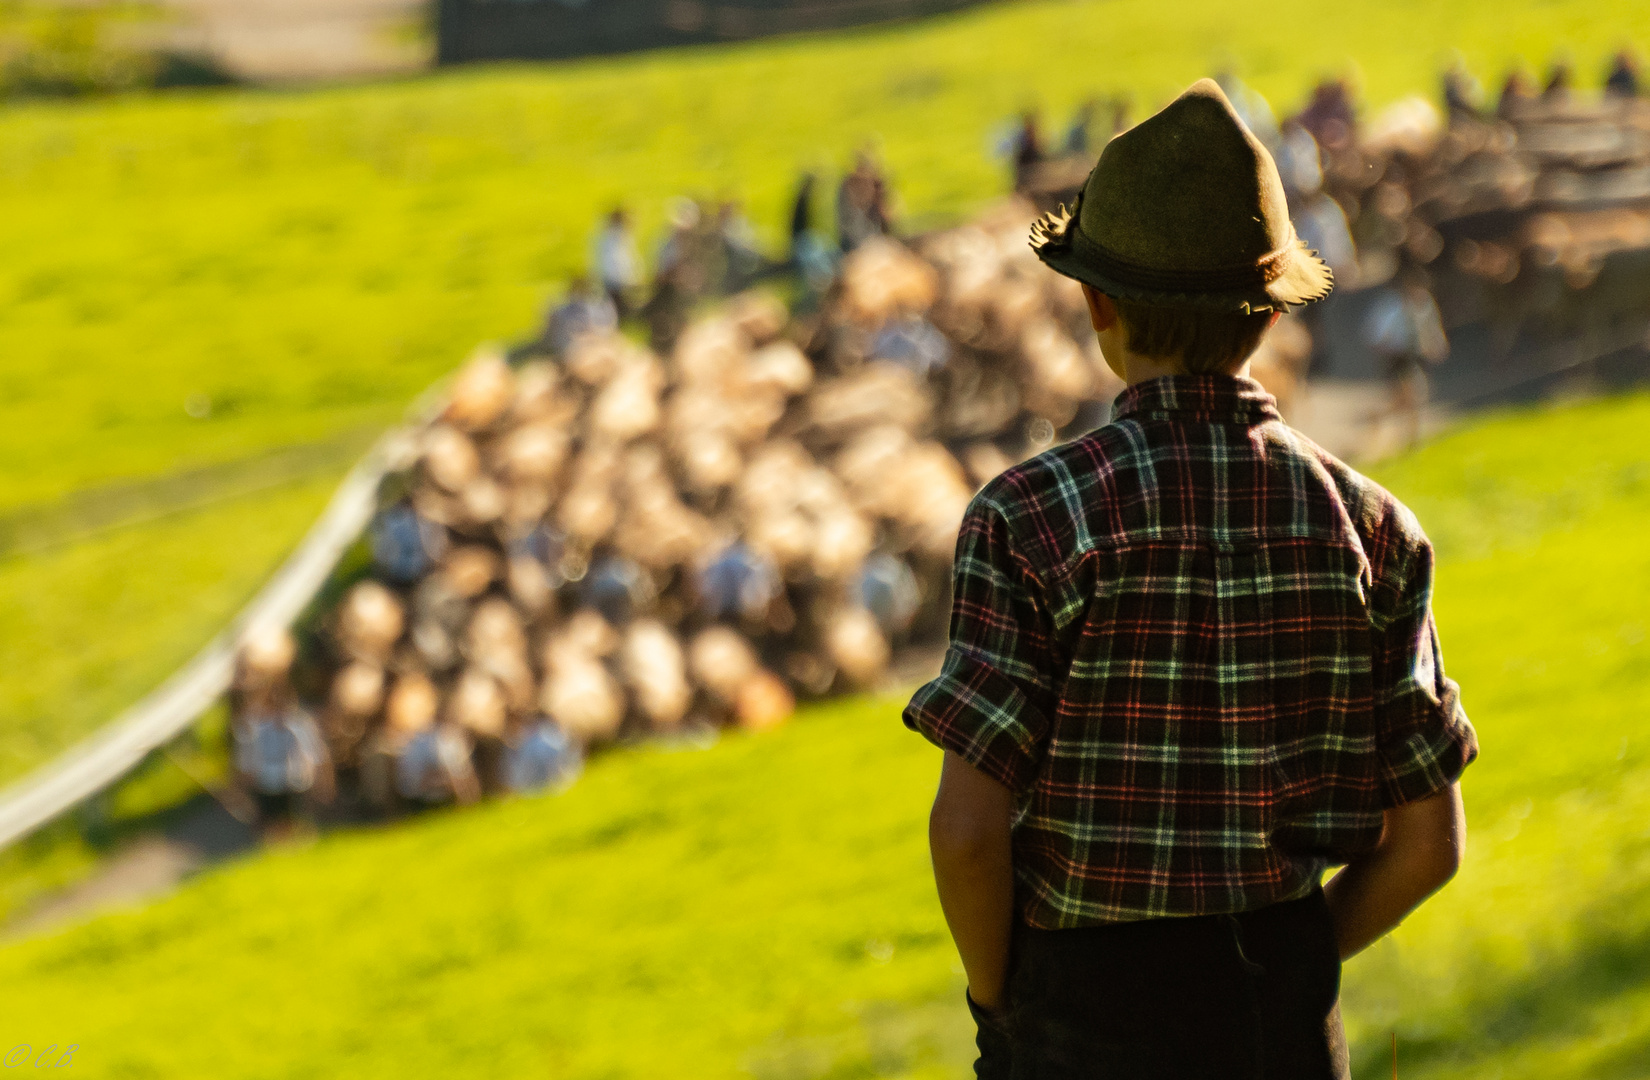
{"x":544,"y":29}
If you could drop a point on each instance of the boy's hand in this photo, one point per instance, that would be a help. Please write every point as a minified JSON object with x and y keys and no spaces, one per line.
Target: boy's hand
{"x":1420,"y":849}
{"x":969,"y":838}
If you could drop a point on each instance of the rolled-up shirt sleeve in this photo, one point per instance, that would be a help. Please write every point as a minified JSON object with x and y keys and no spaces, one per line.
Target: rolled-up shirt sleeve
{"x":993,"y":701}
{"x":1423,"y":736}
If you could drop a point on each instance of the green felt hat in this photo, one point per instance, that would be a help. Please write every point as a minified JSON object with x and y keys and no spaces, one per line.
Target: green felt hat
{"x":1185,"y":209}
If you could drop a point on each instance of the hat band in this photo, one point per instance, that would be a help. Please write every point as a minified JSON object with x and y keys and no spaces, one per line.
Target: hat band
{"x":1252,"y":275}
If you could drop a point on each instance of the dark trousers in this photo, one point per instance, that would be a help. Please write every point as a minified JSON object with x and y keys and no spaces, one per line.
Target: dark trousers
{"x":1251,"y":996}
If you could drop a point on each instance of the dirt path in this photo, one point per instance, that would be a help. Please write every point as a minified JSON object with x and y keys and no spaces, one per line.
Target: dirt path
{"x":147,"y":868}
{"x":295,"y":40}
{"x":1353,"y":420}
{"x":143,"y":869}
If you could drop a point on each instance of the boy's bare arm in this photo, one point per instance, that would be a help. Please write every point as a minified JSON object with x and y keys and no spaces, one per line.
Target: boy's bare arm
{"x":969,"y":838}
{"x":1420,"y":849}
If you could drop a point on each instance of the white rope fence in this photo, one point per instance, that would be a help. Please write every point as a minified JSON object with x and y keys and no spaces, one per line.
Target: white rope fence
{"x":115,"y":749}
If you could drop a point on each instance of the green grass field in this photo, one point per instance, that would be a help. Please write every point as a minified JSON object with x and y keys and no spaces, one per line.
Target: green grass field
{"x":764,"y":908}
{"x":304,"y":262}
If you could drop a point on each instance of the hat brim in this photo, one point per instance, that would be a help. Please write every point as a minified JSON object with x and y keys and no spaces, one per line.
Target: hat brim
{"x":1304,"y":279}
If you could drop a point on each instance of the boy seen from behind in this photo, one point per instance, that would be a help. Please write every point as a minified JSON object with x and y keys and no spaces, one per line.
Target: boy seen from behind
{"x":1193,"y":666}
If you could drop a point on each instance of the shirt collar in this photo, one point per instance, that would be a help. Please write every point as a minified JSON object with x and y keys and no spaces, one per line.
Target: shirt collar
{"x":1217,"y":399}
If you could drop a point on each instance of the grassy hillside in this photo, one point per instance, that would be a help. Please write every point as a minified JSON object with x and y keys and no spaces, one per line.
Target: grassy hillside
{"x":92,"y":626}
{"x":294,"y":266}
{"x":764,"y":908}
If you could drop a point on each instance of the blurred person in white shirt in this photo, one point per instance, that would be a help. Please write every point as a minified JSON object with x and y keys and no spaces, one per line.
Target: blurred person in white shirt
{"x":617,"y":264}
{"x":1405,"y":331}
{"x":279,"y":753}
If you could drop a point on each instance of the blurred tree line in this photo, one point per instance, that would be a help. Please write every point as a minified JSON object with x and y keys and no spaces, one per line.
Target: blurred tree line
{"x":50,"y":48}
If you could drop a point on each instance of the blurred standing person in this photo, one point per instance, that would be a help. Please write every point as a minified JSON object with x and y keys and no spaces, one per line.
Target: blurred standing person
{"x":1461,"y":93}
{"x":680,"y":250}
{"x":737,"y":584}
{"x":1322,"y":226}
{"x":1623,"y":78}
{"x":882,"y":202}
{"x":1319,"y":219}
{"x":618,"y":267}
{"x":742,"y":261}
{"x":410,"y":710}
{"x":1300,"y":165}
{"x":585,"y":310}
{"x":1251,"y":106}
{"x":1119,"y":114}
{"x":1330,"y":116}
{"x":861,"y":204}
{"x":279,"y":753}
{"x":810,"y":257}
{"x":680,"y":277}
{"x":437,"y":766}
{"x":913,"y":342}
{"x":1558,"y":83}
{"x":403,"y":543}
{"x":1516,"y":94}
{"x":1404,"y":330}
{"x":802,"y":216}
{"x":1319,"y":222}
{"x":888,"y":589}
{"x":540,"y":756}
{"x":1028,"y":150}
{"x":1078,"y":138}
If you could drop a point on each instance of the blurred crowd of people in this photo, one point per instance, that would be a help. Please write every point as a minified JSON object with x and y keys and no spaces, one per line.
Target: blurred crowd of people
{"x":1464,"y":96}
{"x":1370,"y":196}
{"x":601,"y":542}
{"x":712,"y":250}
{"x":1038,"y":163}
{"x":606,"y":538}
{"x":283,"y":759}
{"x":434,"y":741}
{"x":1302,"y":144}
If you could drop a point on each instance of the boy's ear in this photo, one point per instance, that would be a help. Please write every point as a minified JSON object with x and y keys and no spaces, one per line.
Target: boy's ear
{"x":1102,"y":312}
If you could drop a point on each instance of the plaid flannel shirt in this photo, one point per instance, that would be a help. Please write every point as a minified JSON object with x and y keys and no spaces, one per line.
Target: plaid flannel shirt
{"x":1200,"y":651}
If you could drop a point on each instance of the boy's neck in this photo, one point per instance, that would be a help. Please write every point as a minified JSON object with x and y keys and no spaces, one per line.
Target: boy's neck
{"x":1138,"y":369}
{"x":1125,"y":363}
